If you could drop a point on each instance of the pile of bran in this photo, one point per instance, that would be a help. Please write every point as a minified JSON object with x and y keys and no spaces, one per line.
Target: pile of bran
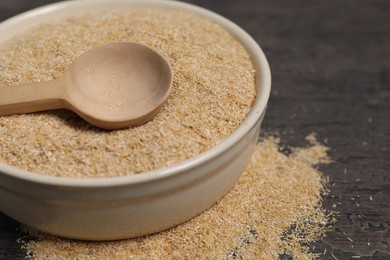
{"x":213,"y":91}
{"x":274,"y":209}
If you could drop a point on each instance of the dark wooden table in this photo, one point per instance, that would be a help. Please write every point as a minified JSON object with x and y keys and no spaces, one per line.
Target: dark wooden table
{"x":330,"y":62}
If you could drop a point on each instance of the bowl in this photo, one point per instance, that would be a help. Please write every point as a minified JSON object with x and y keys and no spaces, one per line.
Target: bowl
{"x":134,"y":205}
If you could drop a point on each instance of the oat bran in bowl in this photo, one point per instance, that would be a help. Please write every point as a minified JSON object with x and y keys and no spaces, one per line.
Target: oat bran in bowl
{"x":61,"y":176}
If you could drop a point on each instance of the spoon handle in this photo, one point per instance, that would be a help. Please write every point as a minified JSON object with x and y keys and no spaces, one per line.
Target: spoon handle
{"x":32,"y":97}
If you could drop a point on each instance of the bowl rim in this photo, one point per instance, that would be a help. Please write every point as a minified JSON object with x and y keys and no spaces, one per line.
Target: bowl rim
{"x":263,"y":87}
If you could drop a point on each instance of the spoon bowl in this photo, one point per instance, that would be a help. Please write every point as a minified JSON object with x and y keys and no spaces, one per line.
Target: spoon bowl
{"x":113,"y":86}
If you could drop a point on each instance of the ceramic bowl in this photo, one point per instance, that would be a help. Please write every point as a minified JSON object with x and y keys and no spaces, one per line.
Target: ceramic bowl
{"x":134,"y":205}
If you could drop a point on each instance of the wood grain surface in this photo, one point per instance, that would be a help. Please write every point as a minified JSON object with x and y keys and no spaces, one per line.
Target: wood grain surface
{"x":330,"y":62}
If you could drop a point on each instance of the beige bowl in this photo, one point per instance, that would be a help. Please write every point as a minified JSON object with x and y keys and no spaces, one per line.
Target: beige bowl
{"x":135,"y":205}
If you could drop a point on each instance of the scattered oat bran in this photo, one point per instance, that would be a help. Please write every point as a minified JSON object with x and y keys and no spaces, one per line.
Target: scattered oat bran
{"x":213,"y":90}
{"x":274,"y":208}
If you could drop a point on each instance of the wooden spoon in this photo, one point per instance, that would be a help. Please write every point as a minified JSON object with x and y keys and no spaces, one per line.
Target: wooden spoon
{"x":113,"y":86}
